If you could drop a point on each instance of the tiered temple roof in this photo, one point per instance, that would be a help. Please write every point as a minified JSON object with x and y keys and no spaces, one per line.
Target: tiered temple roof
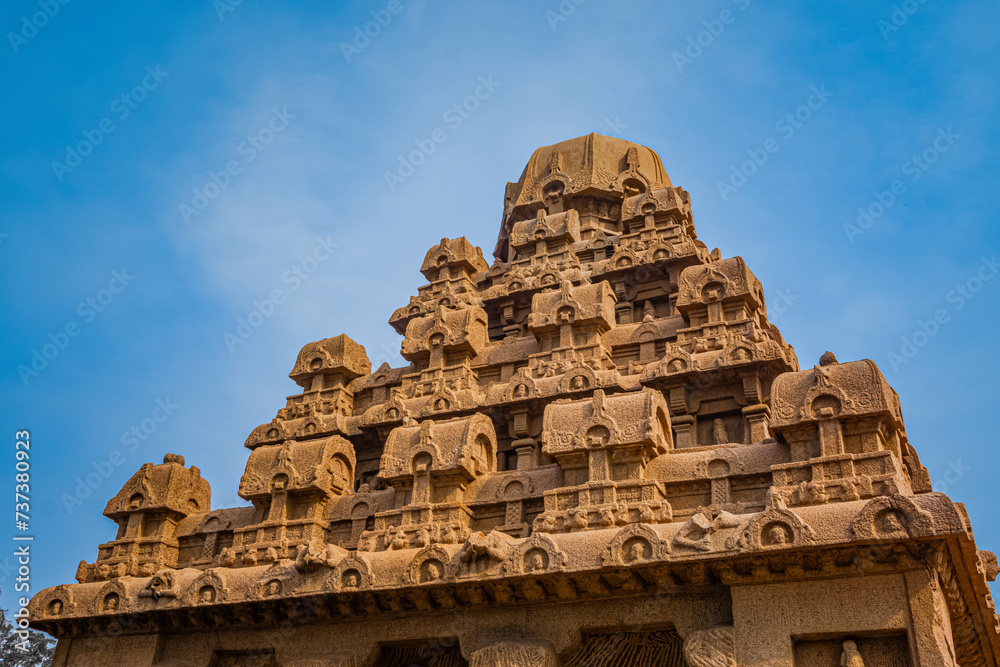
{"x":604,"y":410}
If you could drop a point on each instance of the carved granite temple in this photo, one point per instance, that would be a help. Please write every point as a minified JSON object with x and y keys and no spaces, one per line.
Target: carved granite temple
{"x":602,"y":452}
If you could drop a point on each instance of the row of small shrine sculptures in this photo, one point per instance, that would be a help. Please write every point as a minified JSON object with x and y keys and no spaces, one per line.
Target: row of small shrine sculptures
{"x":320,"y":567}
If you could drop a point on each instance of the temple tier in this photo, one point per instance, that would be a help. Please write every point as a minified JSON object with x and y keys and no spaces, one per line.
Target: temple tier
{"x":605,"y":417}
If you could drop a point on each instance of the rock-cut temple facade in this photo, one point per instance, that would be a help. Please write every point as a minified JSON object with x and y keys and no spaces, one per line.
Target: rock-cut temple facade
{"x":601,"y":453}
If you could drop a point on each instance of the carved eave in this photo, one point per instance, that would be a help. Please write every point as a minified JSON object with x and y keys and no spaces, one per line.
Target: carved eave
{"x":624,"y":262}
{"x":338,"y":357}
{"x":939,"y":541}
{"x":545,"y":228}
{"x":852,"y":389}
{"x":975,"y":624}
{"x":323,"y":466}
{"x":619,"y":420}
{"x":526,"y":283}
{"x":592,"y":304}
{"x":167,"y":487}
{"x":606,"y":413}
{"x":451,"y":331}
{"x":728,"y":280}
{"x":465,"y":445}
{"x":594,"y":162}
{"x":456,"y":254}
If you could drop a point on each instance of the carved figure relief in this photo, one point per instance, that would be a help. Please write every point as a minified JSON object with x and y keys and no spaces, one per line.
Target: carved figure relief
{"x":851,"y":657}
{"x":352,"y":573}
{"x":697,"y":532}
{"x":429,"y":565}
{"x":539,"y":553}
{"x":775,"y":528}
{"x":889,"y":517}
{"x":635,"y":544}
{"x":602,"y":408}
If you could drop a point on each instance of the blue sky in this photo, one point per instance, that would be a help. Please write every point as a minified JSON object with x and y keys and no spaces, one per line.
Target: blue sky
{"x":892,"y":113}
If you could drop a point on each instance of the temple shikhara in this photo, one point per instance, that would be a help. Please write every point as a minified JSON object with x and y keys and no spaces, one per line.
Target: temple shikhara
{"x":601,"y":453}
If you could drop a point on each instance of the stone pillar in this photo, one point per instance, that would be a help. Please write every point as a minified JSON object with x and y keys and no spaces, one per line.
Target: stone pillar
{"x":684,"y":426}
{"x":647,"y":352}
{"x":720,"y":491}
{"x":527,"y":453}
{"x":61,"y":657}
{"x":931,"y":634}
{"x":715,"y":312}
{"x":831,"y":438}
{"x":514,"y":654}
{"x":107,"y":650}
{"x":757,"y":416}
{"x":421,"y":480}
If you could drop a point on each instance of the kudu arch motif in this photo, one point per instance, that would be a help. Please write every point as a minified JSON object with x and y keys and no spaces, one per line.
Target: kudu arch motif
{"x":604,"y":416}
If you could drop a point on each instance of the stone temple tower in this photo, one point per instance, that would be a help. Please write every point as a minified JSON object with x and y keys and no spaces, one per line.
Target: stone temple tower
{"x":601,"y":453}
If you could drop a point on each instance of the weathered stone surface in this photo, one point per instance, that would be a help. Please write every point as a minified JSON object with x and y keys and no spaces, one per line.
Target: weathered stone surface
{"x":601,"y":453}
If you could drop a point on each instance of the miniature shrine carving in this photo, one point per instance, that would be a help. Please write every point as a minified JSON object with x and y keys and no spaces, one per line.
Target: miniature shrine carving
{"x":600,"y":450}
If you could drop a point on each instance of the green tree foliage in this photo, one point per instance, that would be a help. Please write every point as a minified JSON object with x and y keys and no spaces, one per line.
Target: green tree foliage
{"x":17,"y":649}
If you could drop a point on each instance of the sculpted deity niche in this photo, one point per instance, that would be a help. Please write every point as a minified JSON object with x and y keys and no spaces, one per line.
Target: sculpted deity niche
{"x":536,"y":560}
{"x":351,"y":579}
{"x":890,"y":521}
{"x":110,"y":604}
{"x":431,"y":570}
{"x":553,"y":197}
{"x":777,"y":534}
{"x":206,"y":595}
{"x":598,"y":436}
{"x":279,"y":483}
{"x":596,"y":419}
{"x":636,"y":550}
